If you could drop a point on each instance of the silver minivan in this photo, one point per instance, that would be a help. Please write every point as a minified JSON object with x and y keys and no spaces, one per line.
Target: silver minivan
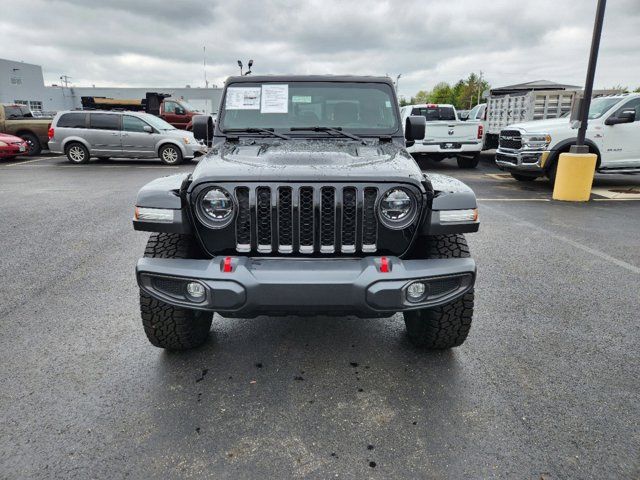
{"x":81,"y":135}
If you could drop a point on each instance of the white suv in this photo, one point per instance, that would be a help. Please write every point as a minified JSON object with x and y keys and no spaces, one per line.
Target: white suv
{"x":531,"y":149}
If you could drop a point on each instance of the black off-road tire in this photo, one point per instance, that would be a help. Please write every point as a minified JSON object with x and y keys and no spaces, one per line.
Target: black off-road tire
{"x":35,"y":147}
{"x":523,"y":178}
{"x":447,"y":326}
{"x":468,"y":162}
{"x":167,"y":326}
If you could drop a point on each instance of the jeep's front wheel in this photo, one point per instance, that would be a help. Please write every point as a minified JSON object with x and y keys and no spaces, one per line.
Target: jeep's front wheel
{"x":168,"y":326}
{"x":448,"y":325}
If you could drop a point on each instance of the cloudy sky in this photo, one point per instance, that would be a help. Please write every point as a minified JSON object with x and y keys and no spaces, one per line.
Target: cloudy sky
{"x":159,"y":43}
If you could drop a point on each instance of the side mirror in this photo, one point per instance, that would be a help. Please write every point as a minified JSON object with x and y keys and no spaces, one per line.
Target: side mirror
{"x":415,"y":128}
{"x":179,"y":111}
{"x":147,"y":129}
{"x":626,"y":116}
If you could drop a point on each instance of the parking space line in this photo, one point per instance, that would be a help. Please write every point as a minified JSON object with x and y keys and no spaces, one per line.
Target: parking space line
{"x":27,"y":161}
{"x":573,"y":243}
{"x":514,"y":199}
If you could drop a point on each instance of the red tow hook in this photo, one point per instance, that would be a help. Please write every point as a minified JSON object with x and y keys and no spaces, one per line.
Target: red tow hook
{"x":226,"y":265}
{"x":385,"y":266}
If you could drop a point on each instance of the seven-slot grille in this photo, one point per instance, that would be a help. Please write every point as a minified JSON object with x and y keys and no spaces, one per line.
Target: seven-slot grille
{"x":510,"y":139}
{"x":306,"y":219}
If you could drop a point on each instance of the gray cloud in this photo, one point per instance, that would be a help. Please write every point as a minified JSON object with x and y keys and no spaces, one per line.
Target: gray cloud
{"x":159,"y":44}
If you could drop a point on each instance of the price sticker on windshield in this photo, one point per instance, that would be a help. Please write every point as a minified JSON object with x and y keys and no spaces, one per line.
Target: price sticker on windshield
{"x":275,"y":99}
{"x":243,"y":98}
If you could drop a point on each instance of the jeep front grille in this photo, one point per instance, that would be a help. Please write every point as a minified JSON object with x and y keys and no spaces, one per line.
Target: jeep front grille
{"x":306,"y":219}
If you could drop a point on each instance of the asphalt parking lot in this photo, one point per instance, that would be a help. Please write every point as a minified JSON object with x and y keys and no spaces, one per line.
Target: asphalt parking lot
{"x":546,"y":386}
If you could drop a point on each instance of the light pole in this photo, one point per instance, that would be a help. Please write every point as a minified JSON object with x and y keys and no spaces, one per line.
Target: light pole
{"x":574,"y":171}
{"x":580,"y":147}
{"x":398,"y":82}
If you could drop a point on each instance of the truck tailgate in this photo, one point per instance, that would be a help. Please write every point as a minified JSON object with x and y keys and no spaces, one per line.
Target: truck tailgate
{"x":450,"y":132}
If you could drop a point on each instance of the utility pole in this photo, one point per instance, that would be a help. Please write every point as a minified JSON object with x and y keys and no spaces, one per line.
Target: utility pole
{"x":479,"y":86}
{"x":580,"y":147}
{"x":65,"y":79}
{"x":204,"y":64}
{"x":398,"y":82}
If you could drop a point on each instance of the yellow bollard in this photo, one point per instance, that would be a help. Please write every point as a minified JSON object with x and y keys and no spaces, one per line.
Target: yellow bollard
{"x":574,"y":177}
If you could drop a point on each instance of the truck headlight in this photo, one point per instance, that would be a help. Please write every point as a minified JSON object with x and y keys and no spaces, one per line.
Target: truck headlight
{"x":397,"y":208}
{"x":536,"y":141}
{"x":215,"y":207}
{"x":186,"y":140}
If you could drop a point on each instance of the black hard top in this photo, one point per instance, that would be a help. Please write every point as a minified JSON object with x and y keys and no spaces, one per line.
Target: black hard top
{"x":308,"y":78}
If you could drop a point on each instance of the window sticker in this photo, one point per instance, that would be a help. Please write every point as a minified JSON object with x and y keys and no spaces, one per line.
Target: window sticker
{"x":275,"y":99}
{"x":387,"y":104}
{"x":243,"y":98}
{"x":301,"y":99}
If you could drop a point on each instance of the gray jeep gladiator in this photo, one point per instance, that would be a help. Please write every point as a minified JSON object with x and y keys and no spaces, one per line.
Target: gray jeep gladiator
{"x":307,"y":203}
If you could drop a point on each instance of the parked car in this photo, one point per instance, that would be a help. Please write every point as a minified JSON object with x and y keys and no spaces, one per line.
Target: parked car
{"x":19,"y":121}
{"x":12,"y":146}
{"x":540,"y":100}
{"x":308,"y":203}
{"x":178,"y":113}
{"x":531,"y":150}
{"x":445,"y":136}
{"x":81,"y":135}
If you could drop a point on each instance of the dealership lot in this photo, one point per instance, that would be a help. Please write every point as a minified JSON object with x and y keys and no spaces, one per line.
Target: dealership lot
{"x":545,"y":386}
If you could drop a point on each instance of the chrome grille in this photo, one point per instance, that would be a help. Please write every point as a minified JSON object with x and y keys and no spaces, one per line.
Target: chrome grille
{"x":307,"y":219}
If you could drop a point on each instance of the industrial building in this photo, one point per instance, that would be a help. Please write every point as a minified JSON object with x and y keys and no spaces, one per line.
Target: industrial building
{"x":23,"y":83}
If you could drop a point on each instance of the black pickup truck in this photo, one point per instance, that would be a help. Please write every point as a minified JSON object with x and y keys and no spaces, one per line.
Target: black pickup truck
{"x":308,"y":203}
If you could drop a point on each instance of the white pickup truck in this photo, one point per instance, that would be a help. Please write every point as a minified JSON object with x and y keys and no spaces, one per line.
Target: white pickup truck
{"x":445,"y":135}
{"x":530,"y":150}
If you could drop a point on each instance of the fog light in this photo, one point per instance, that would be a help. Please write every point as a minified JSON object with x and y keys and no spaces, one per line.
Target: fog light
{"x":416,"y":291}
{"x":195,"y":290}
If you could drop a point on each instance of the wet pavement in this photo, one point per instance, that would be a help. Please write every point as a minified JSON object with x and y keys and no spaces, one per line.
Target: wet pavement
{"x":546,"y":385}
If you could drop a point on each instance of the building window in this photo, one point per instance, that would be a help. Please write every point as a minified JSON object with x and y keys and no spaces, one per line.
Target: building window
{"x":35,"y":105}
{"x":16,"y":80}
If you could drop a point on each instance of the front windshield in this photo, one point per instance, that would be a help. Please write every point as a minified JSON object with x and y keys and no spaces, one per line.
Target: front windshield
{"x":359,"y":107}
{"x":156,"y":122}
{"x":600,"y":106}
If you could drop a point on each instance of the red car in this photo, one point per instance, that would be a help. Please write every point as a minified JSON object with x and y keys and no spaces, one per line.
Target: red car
{"x":11,"y":147}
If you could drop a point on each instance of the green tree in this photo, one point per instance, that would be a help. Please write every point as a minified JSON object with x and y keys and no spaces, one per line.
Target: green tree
{"x":441,"y":93}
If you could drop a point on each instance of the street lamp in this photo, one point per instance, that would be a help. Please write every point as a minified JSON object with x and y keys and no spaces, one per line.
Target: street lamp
{"x":249,"y":65}
{"x":398,"y":81}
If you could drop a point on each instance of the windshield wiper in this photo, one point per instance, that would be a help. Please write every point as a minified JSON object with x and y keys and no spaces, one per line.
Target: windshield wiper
{"x":337,"y":130}
{"x":269,"y":131}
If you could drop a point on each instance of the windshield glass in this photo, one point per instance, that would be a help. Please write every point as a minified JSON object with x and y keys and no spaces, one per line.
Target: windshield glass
{"x":156,"y":122}
{"x":360,"y":107}
{"x":600,"y":106}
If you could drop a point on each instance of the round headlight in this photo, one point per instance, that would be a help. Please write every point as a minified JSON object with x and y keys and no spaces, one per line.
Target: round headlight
{"x":397,"y":208}
{"x":215,"y":207}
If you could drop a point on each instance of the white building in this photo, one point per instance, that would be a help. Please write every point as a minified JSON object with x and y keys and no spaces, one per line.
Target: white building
{"x":23,"y":83}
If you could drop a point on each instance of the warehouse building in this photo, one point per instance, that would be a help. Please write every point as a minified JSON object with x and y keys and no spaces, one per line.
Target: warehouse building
{"x":23,"y":83}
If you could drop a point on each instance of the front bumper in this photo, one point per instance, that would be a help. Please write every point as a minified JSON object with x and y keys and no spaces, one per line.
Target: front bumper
{"x":522,"y":160}
{"x":446,"y":148}
{"x":194,"y":150}
{"x":14,"y":149}
{"x":283,"y":286}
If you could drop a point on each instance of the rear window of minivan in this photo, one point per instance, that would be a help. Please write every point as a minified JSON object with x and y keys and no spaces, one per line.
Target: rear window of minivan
{"x":435,"y":113}
{"x":72,"y":120}
{"x":104,"y":121}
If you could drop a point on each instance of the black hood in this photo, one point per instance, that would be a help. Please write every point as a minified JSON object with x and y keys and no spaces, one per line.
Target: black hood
{"x":307,"y":160}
